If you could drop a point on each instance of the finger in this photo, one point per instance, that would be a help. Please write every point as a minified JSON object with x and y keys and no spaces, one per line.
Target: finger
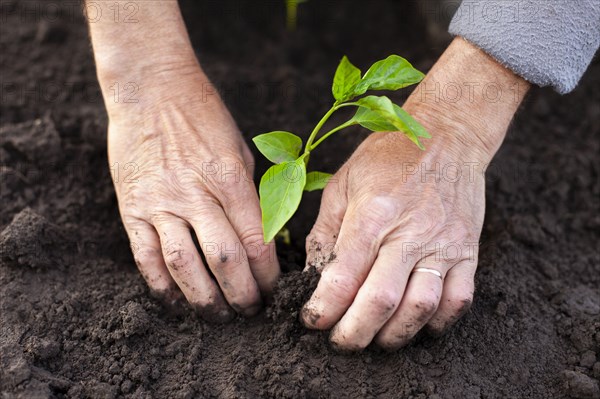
{"x":320,"y":243}
{"x":418,"y":305}
{"x":227,"y":260}
{"x":187,"y":269}
{"x":145,"y":246}
{"x":361,"y":233}
{"x":249,"y":163}
{"x":243,"y":212}
{"x":457,"y":297}
{"x":376,"y":301}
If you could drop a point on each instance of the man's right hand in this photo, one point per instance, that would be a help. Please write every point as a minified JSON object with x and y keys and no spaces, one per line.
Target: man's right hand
{"x":181,"y":167}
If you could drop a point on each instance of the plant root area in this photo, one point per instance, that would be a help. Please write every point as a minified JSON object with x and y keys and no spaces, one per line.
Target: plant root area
{"x":76,"y":317}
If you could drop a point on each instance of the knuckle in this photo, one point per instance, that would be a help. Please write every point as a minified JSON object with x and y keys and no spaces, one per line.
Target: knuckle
{"x":227,"y":265}
{"x":381,"y":210}
{"x":131,"y":221}
{"x":424,"y":303}
{"x":460,"y":303}
{"x":425,"y":222}
{"x":462,"y":231}
{"x":236,"y":191}
{"x":177,"y":257}
{"x":159,"y":218}
{"x":342,"y":287}
{"x":232,"y":176}
{"x":144,"y":256}
{"x":232,"y":188}
{"x":262,"y":258}
{"x":454,"y":308}
{"x":320,"y":232}
{"x":252,"y":236}
{"x":331,"y":192}
{"x":129,"y":195}
{"x":182,"y":177}
{"x":385,"y":300}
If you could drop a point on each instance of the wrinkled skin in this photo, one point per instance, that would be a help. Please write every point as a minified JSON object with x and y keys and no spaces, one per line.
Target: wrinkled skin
{"x":393,"y":209}
{"x":386,"y":216}
{"x":181,"y":167}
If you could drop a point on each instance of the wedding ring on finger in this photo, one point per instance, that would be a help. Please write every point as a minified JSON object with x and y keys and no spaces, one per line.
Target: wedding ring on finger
{"x":428,"y":270}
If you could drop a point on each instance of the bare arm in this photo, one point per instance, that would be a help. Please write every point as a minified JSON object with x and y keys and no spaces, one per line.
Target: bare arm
{"x":172,"y":146}
{"x":405,"y":222}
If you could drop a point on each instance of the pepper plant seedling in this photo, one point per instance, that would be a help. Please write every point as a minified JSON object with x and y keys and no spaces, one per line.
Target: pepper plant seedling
{"x":282,"y":185}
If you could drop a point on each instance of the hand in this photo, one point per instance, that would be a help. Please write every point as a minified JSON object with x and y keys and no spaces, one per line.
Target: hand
{"x":181,"y":168}
{"x":392,"y":209}
{"x":184,"y":168}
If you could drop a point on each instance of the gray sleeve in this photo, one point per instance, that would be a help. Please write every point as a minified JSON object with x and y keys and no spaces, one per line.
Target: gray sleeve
{"x":547,"y":42}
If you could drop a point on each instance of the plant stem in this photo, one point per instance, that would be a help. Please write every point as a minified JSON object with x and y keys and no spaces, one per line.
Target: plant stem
{"x":324,"y":119}
{"x":317,"y":128}
{"x":329,"y":133}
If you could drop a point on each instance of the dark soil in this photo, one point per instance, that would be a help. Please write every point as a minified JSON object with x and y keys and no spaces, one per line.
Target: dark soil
{"x":76,"y":318}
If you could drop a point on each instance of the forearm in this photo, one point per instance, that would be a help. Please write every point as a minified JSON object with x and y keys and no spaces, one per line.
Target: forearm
{"x":144,"y":60}
{"x":155,"y":39}
{"x":473,"y":95}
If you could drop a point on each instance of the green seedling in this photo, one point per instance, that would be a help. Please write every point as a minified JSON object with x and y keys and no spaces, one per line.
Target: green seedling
{"x":282,"y":185}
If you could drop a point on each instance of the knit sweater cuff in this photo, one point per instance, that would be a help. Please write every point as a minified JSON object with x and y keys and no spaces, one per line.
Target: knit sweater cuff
{"x":547,"y":42}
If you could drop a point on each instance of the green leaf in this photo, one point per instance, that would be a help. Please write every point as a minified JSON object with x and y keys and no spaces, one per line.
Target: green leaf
{"x":280,"y":194}
{"x":345,"y":79}
{"x":316,"y":180}
{"x":379,"y":114}
{"x":382,"y":106}
{"x":373,"y":120}
{"x":411,"y":123}
{"x":393,"y":73}
{"x":279,"y":146}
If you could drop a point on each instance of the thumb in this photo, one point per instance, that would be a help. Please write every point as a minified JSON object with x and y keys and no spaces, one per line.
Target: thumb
{"x":320,"y":243}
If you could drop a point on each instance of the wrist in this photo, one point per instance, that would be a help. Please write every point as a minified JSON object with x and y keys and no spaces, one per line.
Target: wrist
{"x":467,"y":102}
{"x":177,"y":88}
{"x":143,"y":49}
{"x":140,"y":65}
